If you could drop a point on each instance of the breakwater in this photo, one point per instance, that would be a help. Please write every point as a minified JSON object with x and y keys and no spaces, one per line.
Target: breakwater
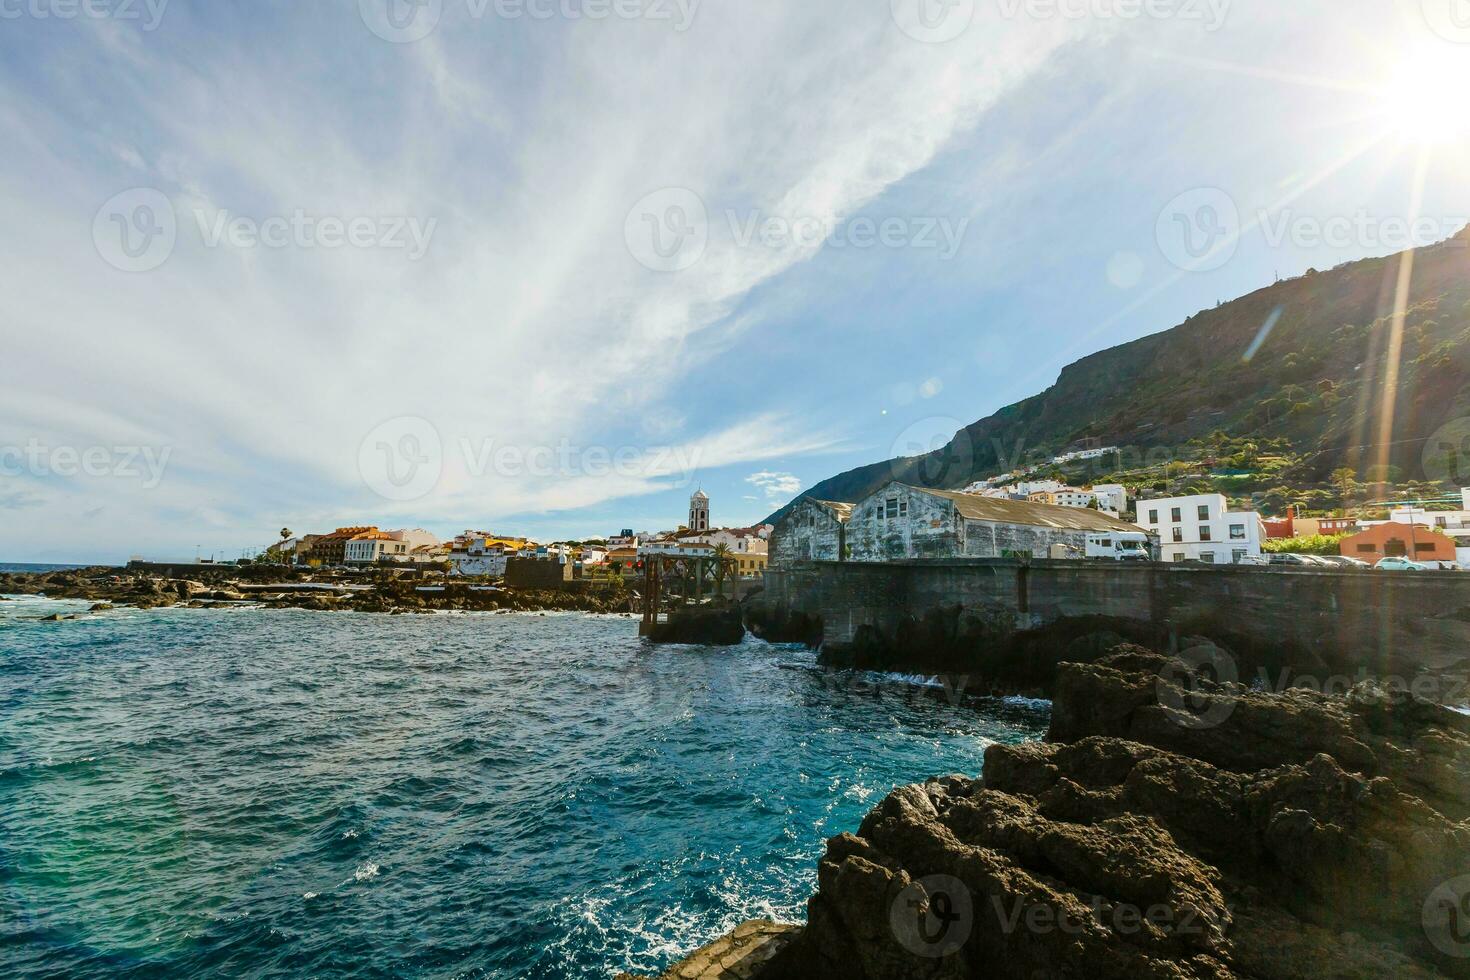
{"x":1017,"y":619}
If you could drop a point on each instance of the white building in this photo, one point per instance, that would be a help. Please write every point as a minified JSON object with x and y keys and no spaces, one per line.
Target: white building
{"x":416,"y":538}
{"x":1202,"y":528}
{"x":1065,"y":497}
{"x":1111,"y":497}
{"x":694,"y":549}
{"x":372,"y":547}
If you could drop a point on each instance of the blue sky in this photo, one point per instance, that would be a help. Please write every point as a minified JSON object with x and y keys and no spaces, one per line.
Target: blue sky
{"x":297,"y":264}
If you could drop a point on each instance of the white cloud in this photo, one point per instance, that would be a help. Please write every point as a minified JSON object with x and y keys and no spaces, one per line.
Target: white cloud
{"x":778,"y":487}
{"x":528,"y":321}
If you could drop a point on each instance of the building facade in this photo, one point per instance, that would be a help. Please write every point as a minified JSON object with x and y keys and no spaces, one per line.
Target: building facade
{"x":1400,"y":540}
{"x":812,"y":530}
{"x":372,"y":547}
{"x":331,"y":549}
{"x":1202,"y":528}
{"x":1065,"y":497}
{"x":903,"y":522}
{"x":1112,"y":497}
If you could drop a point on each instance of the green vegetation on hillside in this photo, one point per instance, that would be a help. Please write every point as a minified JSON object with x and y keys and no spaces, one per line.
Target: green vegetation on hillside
{"x":1265,"y":416}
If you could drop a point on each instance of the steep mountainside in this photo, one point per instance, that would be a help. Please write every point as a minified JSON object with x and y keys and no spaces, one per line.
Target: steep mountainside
{"x":1317,"y":381}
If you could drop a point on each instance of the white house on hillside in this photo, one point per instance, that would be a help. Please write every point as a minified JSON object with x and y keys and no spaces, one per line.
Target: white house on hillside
{"x":1202,"y":528}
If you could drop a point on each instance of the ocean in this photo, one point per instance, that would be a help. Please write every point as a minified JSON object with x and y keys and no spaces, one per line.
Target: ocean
{"x":284,"y":793}
{"x":33,"y":569}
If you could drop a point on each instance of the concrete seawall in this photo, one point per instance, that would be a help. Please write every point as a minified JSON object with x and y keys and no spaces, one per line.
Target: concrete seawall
{"x":942,"y":614}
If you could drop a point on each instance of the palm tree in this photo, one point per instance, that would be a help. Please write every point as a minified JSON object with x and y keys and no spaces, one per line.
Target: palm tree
{"x":724,"y":564}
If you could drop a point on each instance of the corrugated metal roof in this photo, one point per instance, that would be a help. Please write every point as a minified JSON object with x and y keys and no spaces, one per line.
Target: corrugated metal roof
{"x":999,"y":511}
{"x":841,"y":511}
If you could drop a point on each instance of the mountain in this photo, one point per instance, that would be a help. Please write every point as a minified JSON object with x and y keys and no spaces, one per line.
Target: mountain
{"x":1301,"y":365}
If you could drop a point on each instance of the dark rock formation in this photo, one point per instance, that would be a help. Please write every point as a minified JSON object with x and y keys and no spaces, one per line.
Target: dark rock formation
{"x":1170,"y":827}
{"x":716,"y":625}
{"x":777,"y":624}
{"x":223,"y":585}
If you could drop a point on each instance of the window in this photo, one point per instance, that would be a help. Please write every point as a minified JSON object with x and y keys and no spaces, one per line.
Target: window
{"x":1208,"y":557}
{"x":1237,"y":555}
{"x":1204,"y":512}
{"x":903,"y":508}
{"x":1424,"y":547}
{"x":892,"y":507}
{"x":1178,"y":535}
{"x":1176,"y":515}
{"x":1237,"y":532}
{"x":1367,"y":549}
{"x":1204,"y":532}
{"x":1153,"y":517}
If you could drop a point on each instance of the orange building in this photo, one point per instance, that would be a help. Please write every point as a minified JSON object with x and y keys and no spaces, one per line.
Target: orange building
{"x":1414,"y":541}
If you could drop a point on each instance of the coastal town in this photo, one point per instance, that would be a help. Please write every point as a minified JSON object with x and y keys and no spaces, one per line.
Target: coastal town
{"x":743,"y":551}
{"x":1004,"y":517}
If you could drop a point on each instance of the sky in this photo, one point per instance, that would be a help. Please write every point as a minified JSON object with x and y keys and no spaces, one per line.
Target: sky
{"x":546,"y":267}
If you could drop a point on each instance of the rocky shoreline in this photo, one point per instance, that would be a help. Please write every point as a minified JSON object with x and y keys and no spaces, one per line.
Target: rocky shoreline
{"x":222,"y":587}
{"x":1169,"y":827}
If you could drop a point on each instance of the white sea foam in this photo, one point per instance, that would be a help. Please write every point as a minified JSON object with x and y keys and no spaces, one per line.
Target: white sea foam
{"x":309,"y":896}
{"x":365,"y":872}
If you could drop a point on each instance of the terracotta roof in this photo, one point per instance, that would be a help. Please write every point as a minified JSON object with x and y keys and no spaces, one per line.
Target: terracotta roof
{"x":1000,"y":511}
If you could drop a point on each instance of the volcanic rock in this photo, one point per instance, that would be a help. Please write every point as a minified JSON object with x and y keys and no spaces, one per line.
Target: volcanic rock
{"x":1171,"y":826}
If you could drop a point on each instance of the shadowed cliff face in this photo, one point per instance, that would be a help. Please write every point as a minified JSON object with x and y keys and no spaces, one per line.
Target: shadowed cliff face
{"x":1316,"y":380}
{"x":1169,"y":828}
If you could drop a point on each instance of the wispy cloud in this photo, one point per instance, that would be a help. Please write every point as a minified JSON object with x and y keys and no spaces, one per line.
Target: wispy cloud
{"x":778,"y":487}
{"x":527,"y":321}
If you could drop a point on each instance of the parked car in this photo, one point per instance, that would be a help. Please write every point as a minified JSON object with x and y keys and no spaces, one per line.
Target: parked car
{"x":1289,"y":560}
{"x":1400,"y":565}
{"x":1255,"y":560}
{"x":1342,"y":561}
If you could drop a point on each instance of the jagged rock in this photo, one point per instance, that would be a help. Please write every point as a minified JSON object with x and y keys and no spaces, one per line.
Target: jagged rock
{"x":102,"y":607}
{"x":739,"y":955}
{"x":1170,"y":827}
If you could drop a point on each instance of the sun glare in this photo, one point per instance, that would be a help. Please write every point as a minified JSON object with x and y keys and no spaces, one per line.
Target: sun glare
{"x":1427,"y":100}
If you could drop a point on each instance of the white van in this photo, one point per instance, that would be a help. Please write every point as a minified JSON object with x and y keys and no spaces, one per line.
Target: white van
{"x":1118,"y":546}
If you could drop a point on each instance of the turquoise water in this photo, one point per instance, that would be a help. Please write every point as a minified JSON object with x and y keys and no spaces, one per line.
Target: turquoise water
{"x":281,"y":793}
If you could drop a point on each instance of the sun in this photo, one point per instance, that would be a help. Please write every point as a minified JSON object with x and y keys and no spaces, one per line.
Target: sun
{"x":1426,"y":99}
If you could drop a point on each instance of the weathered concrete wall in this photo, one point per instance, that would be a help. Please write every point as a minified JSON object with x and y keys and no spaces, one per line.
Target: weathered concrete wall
{"x":1381,"y":623}
{"x":808,"y":532}
{"x":984,"y":539}
{"x":925,"y":527}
